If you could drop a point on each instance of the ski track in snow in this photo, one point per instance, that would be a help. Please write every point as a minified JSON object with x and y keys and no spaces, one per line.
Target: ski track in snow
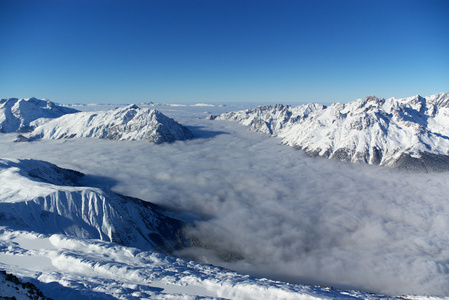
{"x":290,"y":216}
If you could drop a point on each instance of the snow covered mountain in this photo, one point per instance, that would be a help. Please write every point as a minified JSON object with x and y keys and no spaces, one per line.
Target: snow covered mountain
{"x":410,"y":133}
{"x":39,"y":196}
{"x":22,"y":115}
{"x":125,"y":123}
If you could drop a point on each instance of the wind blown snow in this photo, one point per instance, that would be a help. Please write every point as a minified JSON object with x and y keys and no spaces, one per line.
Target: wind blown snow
{"x":72,"y":268}
{"x":278,"y":213}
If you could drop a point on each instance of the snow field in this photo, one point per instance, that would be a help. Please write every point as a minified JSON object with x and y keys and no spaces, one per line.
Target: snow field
{"x":95,"y":269}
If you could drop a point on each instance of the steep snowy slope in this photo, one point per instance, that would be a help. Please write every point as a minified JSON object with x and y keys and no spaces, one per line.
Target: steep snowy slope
{"x":125,"y":123}
{"x":39,"y":196}
{"x":22,"y":115}
{"x":11,"y":286}
{"x":409,"y":133}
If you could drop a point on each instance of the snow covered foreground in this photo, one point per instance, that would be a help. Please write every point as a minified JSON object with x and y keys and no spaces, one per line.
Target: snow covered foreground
{"x":410,"y":133}
{"x":11,"y":286}
{"x":61,"y":253}
{"x":72,"y":268}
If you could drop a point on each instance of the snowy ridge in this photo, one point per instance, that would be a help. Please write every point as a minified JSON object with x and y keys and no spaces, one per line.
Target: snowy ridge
{"x":125,"y":123}
{"x":32,"y":199}
{"x":410,"y":133}
{"x":22,"y":115}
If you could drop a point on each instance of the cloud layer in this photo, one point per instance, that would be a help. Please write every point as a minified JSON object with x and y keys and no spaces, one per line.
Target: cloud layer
{"x":289,"y":216}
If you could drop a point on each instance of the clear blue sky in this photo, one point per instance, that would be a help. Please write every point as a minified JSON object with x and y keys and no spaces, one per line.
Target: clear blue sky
{"x":220,"y":51}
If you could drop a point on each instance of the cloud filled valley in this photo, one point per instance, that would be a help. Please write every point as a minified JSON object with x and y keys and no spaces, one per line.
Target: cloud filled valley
{"x":269,"y":210}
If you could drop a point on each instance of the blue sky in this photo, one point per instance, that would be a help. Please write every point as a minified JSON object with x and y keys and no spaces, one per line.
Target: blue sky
{"x":222,"y":51}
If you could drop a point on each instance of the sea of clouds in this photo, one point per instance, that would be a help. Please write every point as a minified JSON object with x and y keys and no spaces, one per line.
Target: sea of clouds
{"x":269,"y":210}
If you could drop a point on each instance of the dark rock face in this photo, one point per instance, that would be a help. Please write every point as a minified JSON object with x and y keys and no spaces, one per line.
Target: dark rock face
{"x":14,"y":288}
{"x":428,"y":162}
{"x":376,"y":156}
{"x":342,"y":154}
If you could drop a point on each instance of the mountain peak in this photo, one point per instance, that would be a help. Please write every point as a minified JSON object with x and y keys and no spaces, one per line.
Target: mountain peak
{"x":123,"y":123}
{"x":132,"y":106}
{"x":22,"y":115}
{"x":372,"y":100}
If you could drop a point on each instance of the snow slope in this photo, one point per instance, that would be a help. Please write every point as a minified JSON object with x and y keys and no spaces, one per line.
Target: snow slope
{"x":39,"y":196}
{"x":23,"y":115}
{"x":409,"y":133}
{"x":11,"y":286}
{"x":125,"y":123}
{"x":64,"y":267}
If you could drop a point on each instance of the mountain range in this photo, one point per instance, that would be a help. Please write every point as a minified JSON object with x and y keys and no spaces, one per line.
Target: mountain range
{"x":408,"y":133}
{"x":42,"y":119}
{"x":67,"y":239}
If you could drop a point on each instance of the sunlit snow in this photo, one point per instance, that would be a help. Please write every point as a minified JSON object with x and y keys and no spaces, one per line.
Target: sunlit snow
{"x":257,"y":207}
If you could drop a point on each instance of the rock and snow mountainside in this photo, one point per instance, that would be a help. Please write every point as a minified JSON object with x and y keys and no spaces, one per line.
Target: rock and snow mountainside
{"x":12,"y":288}
{"x":41,"y":197}
{"x":125,"y":123}
{"x":22,"y":115}
{"x":410,"y":133}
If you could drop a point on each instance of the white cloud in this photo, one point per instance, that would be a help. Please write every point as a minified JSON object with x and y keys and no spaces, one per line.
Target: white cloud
{"x":290,"y":216}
